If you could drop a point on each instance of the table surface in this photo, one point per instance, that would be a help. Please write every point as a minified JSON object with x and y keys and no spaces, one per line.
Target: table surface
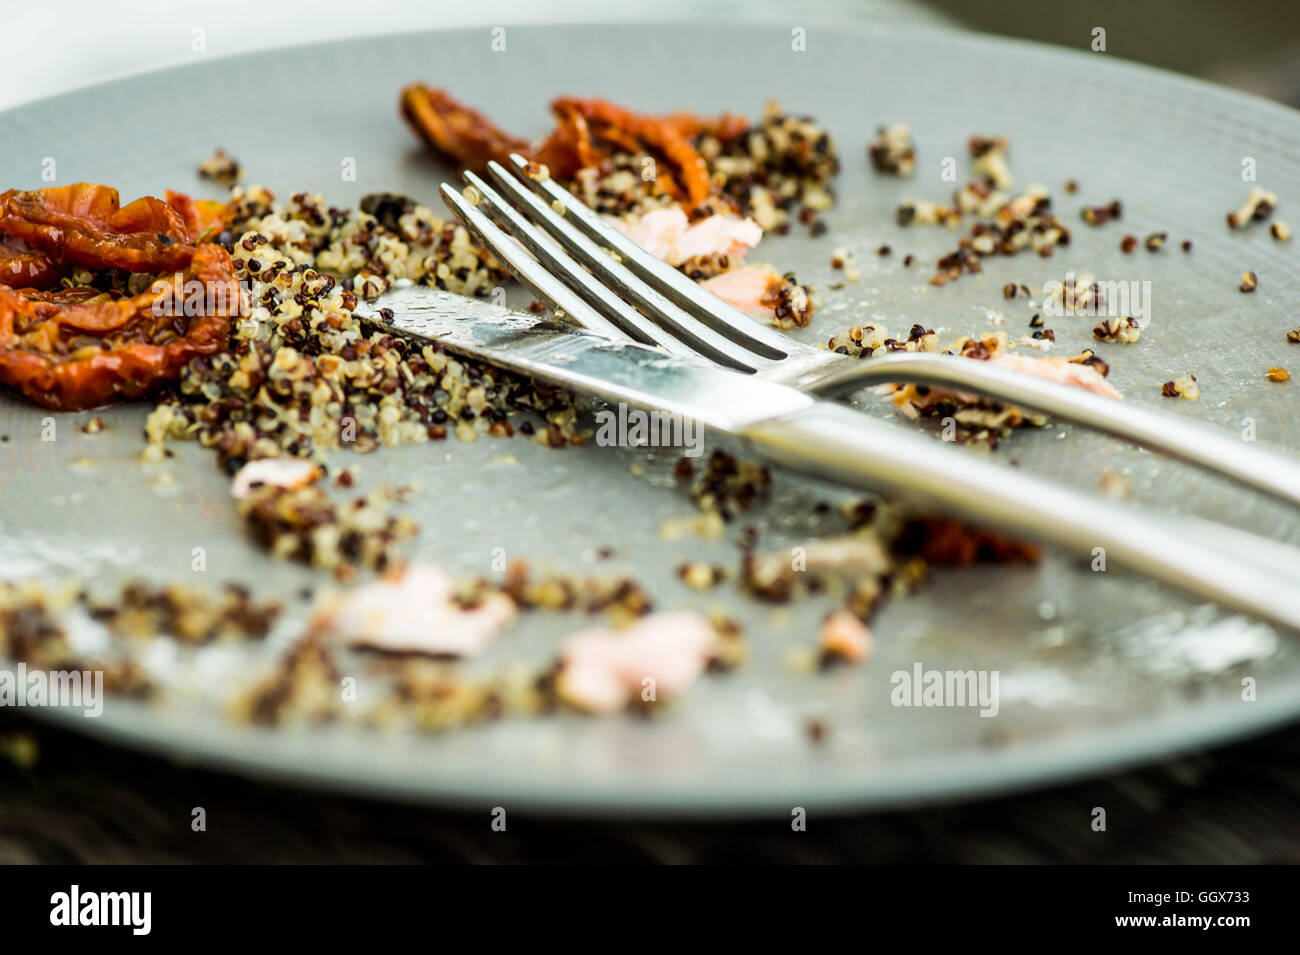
{"x":84,"y":802}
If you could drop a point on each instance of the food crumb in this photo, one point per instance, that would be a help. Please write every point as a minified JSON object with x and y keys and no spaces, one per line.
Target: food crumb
{"x":1259,"y":205}
{"x":701,"y":576}
{"x":843,"y":259}
{"x":892,"y":151}
{"x":1278,"y":374}
{"x":843,"y":639}
{"x":221,"y":168}
{"x":989,"y":160}
{"x":1100,"y":215}
{"x":1125,"y":330}
{"x":1184,"y":387}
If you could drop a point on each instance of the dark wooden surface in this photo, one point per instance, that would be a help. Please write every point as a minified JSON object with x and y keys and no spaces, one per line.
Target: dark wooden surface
{"x":86,"y":802}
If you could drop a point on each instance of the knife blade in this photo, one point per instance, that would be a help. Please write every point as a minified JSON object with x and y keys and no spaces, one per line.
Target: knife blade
{"x":564,"y":355}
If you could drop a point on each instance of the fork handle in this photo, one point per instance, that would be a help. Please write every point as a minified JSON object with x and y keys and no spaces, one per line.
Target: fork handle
{"x":1271,"y":470}
{"x":833,"y":441}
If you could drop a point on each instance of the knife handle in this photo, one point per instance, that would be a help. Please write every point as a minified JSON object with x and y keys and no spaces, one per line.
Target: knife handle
{"x":830,"y":440}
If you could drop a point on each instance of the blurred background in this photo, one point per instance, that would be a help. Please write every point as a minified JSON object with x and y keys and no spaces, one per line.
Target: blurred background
{"x":1251,"y":44}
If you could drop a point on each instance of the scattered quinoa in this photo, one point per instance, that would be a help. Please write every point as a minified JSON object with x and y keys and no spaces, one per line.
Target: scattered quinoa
{"x":862,"y":558}
{"x":621,"y":598}
{"x":780,"y":168}
{"x":189,"y":615}
{"x":701,"y":576}
{"x":1100,"y":215}
{"x":989,"y":160}
{"x":303,"y":524}
{"x":843,"y":259}
{"x":1259,"y":205}
{"x":1125,"y":330}
{"x":979,"y":198}
{"x":863,"y":341}
{"x":922,"y":212}
{"x":34,"y":621}
{"x":220,"y":168}
{"x":1004,"y":227}
{"x":973,"y":419}
{"x":892,"y":151}
{"x":304,"y":375}
{"x":1278,"y":374}
{"x":730,"y":486}
{"x":1184,"y":387}
{"x":1079,"y":294}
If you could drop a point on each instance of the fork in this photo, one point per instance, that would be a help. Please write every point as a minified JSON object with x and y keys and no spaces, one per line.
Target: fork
{"x":616,"y":271}
{"x":659,"y":339}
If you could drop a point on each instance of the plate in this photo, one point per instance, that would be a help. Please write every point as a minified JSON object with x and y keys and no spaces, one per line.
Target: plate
{"x":1096,"y":670}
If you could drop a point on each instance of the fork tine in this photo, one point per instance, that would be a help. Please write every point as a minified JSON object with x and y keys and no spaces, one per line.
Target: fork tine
{"x":632,"y":323}
{"x":613,"y":274}
{"x":527,"y":269}
{"x":680,"y":290}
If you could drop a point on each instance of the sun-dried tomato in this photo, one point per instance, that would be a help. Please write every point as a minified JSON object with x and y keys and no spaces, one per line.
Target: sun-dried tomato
{"x":660,"y":135}
{"x":203,"y":218}
{"x":586,"y":130}
{"x":726,"y":128}
{"x":569,"y":148}
{"x":21,"y":266}
{"x":87,"y":225}
{"x":77,"y":348}
{"x":456,"y":130}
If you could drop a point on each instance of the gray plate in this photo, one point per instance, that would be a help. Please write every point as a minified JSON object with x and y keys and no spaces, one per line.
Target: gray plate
{"x":1097,"y":670}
